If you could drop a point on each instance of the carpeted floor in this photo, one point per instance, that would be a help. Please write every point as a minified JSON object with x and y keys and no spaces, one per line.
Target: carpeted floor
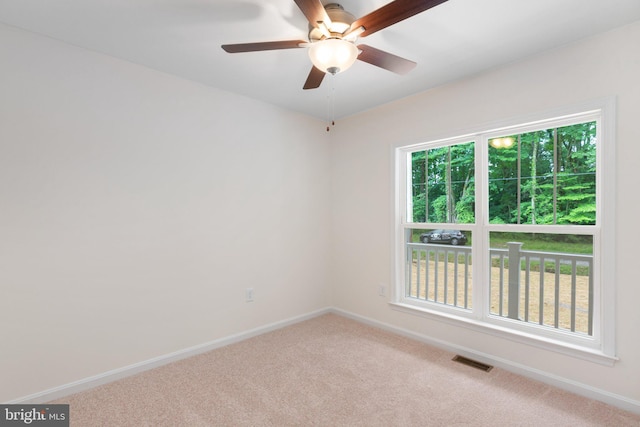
{"x":333,"y":371}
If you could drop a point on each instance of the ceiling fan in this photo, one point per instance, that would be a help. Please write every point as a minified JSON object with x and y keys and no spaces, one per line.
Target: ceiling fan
{"x":333,"y":33}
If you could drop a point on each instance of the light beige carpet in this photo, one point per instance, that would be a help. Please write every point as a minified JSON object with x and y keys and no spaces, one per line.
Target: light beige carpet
{"x":333,"y":371}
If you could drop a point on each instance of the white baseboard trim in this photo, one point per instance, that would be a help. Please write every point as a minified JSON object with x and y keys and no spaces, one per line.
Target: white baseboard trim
{"x":545,"y":377}
{"x":126,"y":371}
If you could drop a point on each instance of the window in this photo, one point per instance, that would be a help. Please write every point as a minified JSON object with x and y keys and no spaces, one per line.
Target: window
{"x":505,"y":230}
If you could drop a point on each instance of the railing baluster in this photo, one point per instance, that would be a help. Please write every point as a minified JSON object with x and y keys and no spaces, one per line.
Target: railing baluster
{"x":590,"y":327}
{"x":501,"y":298}
{"x":466,"y":281}
{"x":409,"y":272}
{"x":446,"y":275}
{"x":436,"y":268}
{"x":527,"y":280}
{"x":574,"y":273}
{"x":491,"y":277}
{"x":455,"y":279}
{"x":556,"y":315}
{"x":426,"y":274}
{"x":418,"y":268}
{"x":541,"y":303}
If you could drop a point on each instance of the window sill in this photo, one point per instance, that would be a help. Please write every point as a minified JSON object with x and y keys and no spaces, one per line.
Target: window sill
{"x":584,"y":353}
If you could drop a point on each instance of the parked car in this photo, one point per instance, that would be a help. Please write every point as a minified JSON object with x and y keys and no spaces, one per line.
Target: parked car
{"x":452,"y":237}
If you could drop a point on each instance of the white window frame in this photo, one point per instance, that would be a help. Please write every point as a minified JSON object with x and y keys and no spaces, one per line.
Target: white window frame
{"x":600,"y":347}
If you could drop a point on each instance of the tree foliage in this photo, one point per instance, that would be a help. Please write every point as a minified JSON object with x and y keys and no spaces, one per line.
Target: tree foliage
{"x":444,"y":184}
{"x":545,"y":177}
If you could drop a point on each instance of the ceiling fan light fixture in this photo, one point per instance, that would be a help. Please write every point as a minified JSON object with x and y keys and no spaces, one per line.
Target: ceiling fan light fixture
{"x":333,"y":34}
{"x":333,"y":55}
{"x":501,"y":142}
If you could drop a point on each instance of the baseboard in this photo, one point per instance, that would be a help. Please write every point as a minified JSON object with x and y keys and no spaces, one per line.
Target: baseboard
{"x":126,"y":371}
{"x":545,"y":377}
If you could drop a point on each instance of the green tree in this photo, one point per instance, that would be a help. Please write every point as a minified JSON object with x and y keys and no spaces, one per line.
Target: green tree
{"x":577,"y":174}
{"x":503,"y":184}
{"x":548,"y":177}
{"x":545,"y":177}
{"x":443,"y":184}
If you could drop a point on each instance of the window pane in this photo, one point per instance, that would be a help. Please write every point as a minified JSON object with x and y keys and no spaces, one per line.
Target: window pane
{"x":503,"y":180}
{"x":544,"y":177}
{"x":443,"y":184}
{"x":552,"y":283}
{"x":577,"y":174}
{"x":438,"y":268}
{"x":537,"y":189}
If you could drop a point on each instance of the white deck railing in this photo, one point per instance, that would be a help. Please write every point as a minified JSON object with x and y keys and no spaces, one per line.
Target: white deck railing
{"x":549,"y":289}
{"x":440,"y":274}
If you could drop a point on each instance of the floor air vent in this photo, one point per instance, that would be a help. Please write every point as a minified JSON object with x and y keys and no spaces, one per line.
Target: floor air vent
{"x":472,"y":363}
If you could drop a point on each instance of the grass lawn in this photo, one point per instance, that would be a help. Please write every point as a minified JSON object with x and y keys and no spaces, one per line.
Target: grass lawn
{"x":567,"y":244}
{"x":562,"y":243}
{"x":530,"y":242}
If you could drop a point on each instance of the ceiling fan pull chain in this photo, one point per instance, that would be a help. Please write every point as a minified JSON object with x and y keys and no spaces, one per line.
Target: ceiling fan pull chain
{"x":331,"y":106}
{"x":328,"y":110}
{"x":333,"y":101}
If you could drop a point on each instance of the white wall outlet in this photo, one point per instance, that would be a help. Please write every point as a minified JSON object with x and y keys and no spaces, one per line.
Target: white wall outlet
{"x":382,"y":290}
{"x":248,"y":295}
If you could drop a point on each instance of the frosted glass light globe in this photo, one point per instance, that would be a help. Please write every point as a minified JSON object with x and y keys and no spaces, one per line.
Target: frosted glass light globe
{"x":333,"y":55}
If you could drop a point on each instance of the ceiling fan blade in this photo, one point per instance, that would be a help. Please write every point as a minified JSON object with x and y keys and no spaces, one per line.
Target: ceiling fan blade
{"x":315,"y":12}
{"x":255,"y":47}
{"x":392,"y":13}
{"x":314,"y":79}
{"x":385,"y":60}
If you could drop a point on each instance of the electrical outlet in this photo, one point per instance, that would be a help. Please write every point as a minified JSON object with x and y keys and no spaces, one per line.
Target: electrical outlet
{"x":248,"y":294}
{"x":382,"y":290}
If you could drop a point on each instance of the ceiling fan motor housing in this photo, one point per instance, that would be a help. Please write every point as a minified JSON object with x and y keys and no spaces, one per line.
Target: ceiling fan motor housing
{"x":341,"y":21}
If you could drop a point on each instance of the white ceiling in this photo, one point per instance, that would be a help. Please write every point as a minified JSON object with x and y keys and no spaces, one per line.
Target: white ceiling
{"x":183,"y":37}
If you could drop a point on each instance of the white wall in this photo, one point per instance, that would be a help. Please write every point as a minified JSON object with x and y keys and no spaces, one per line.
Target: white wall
{"x":602,"y":66}
{"x":135,"y":208}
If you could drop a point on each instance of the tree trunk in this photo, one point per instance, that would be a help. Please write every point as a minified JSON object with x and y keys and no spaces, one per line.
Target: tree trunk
{"x":451,"y":202}
{"x":534,"y":179}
